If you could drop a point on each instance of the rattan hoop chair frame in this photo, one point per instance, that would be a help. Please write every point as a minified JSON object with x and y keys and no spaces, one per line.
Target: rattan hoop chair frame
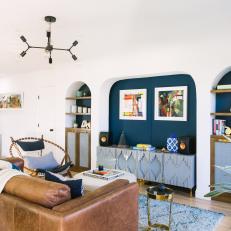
{"x":14,"y":145}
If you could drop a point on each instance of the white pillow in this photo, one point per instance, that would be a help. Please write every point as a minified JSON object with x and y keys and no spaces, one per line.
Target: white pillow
{"x":5,"y":164}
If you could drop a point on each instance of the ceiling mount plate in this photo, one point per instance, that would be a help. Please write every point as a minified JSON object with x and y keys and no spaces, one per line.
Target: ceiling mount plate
{"x":50,"y":19}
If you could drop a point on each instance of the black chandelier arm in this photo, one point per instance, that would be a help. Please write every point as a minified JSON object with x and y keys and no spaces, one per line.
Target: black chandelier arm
{"x":38,"y":47}
{"x":60,"y":49}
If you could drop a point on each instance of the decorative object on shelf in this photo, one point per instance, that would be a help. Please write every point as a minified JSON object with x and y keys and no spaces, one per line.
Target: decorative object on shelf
{"x":218,"y":126}
{"x":73,"y":108}
{"x":79,"y":93}
{"x":172,"y":144}
{"x":79,"y":109}
{"x":104,"y":139}
{"x":227,"y":130}
{"x":85,"y":110}
{"x":122,"y":141}
{"x":187,"y":145}
{"x":49,"y":47}
{"x":88,"y":126}
{"x":84,"y":124}
{"x":89,"y":110}
{"x":133,"y":104}
{"x":171,"y":103}
{"x":11,"y":101}
{"x":75,"y":125}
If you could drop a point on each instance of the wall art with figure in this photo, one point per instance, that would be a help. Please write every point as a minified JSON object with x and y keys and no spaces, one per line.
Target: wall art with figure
{"x":171,"y":103}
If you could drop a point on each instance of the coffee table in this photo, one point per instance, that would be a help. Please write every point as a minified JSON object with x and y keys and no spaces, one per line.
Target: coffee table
{"x":91,"y":183}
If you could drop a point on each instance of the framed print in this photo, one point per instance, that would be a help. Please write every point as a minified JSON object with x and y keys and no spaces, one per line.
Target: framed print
{"x":133,"y":104}
{"x":11,"y":101}
{"x":171,"y":103}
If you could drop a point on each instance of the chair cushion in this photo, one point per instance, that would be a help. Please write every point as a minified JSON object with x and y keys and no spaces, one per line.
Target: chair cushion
{"x":75,"y":185}
{"x":41,"y":162}
{"x":30,"y":145}
{"x":36,"y":190}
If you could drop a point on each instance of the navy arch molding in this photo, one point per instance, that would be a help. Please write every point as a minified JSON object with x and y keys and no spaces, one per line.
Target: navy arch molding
{"x":151,"y":131}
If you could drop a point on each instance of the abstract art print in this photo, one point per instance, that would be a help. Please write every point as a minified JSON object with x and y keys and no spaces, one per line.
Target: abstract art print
{"x":171,"y":103}
{"x":11,"y":101}
{"x":133,"y":104}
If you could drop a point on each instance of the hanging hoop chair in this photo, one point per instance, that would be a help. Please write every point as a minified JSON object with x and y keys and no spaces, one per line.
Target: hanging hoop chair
{"x":41,"y":155}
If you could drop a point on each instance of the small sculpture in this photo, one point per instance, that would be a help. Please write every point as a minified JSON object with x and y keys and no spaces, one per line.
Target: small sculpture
{"x":122,"y":141}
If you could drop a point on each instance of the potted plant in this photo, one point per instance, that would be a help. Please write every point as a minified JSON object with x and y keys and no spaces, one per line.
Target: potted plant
{"x":218,"y":189}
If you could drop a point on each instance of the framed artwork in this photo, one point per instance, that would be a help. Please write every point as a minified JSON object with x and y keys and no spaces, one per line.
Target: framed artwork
{"x":133,"y":104}
{"x":11,"y":101}
{"x":171,"y":103}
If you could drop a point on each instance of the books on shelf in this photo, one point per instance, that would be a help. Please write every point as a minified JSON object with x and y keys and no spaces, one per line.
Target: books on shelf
{"x":218,"y":127}
{"x":224,"y":87}
{"x":106,"y":174}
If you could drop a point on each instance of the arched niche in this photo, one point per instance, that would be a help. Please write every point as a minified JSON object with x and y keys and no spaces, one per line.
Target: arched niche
{"x":77,"y":137}
{"x":72,"y":93}
{"x":222,"y":101}
{"x":152,"y":131}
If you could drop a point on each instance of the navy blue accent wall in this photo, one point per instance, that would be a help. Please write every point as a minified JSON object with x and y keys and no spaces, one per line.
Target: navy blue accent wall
{"x":151,"y":131}
{"x":223,"y":101}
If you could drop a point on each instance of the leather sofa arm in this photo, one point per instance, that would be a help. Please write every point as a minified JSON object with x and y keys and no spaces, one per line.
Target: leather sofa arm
{"x":73,"y":204}
{"x":116,"y":210}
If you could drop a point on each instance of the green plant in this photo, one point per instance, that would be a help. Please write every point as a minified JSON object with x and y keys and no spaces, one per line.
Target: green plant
{"x":218,"y":189}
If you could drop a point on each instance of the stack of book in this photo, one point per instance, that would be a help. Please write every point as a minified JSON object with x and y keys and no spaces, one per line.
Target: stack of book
{"x":218,"y":127}
{"x":144,"y":147}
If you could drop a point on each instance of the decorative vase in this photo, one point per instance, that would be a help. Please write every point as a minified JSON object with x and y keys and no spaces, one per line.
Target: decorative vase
{"x":79,"y":93}
{"x":172,"y":144}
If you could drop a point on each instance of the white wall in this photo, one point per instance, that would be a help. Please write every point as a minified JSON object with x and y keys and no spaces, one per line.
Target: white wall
{"x":99,"y":78}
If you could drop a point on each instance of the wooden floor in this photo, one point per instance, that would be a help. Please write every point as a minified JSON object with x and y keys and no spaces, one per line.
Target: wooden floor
{"x":216,"y":206}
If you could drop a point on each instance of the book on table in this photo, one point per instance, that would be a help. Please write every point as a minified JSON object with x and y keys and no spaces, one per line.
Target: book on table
{"x":106,"y":174}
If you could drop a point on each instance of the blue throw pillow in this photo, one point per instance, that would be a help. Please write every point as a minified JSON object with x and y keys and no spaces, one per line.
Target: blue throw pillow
{"x":31,"y":145}
{"x":75,"y":185}
{"x":43,"y":162}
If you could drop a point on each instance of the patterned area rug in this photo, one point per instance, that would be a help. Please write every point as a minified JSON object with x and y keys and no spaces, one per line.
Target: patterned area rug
{"x":184,"y":218}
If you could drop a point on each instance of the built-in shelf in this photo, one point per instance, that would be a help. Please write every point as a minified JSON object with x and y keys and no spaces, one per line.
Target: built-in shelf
{"x":78,"y":98}
{"x":220,"y":91}
{"x":77,"y":114}
{"x":221,"y":113}
{"x":78,"y":130}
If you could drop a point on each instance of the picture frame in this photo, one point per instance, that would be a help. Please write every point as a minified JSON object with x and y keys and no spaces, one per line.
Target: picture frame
{"x":133,"y":104}
{"x":170,"y":103}
{"x":11,"y":101}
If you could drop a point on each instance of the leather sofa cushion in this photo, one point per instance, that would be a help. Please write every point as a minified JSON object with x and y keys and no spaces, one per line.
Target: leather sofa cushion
{"x":91,"y":196}
{"x":33,"y":189}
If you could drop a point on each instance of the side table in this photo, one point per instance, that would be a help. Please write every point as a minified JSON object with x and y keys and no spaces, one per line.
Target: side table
{"x":161,"y":193}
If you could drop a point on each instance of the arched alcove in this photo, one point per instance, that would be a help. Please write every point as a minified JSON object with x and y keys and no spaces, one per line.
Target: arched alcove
{"x":78,"y":125}
{"x":152,"y":131}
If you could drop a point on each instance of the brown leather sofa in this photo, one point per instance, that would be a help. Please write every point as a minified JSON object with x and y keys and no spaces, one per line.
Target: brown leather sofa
{"x":33,"y":204}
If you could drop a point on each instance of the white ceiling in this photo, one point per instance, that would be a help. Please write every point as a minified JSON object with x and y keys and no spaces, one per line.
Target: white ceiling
{"x":105,"y":28}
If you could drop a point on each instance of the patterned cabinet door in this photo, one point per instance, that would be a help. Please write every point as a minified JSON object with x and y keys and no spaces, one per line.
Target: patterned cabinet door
{"x":179,"y":170}
{"x":106,"y":156}
{"x":126,"y":160}
{"x":155,"y":168}
{"x":143,"y":165}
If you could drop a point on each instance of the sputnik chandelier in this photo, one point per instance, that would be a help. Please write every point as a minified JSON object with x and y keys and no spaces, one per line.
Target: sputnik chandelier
{"x":49,"y":47}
